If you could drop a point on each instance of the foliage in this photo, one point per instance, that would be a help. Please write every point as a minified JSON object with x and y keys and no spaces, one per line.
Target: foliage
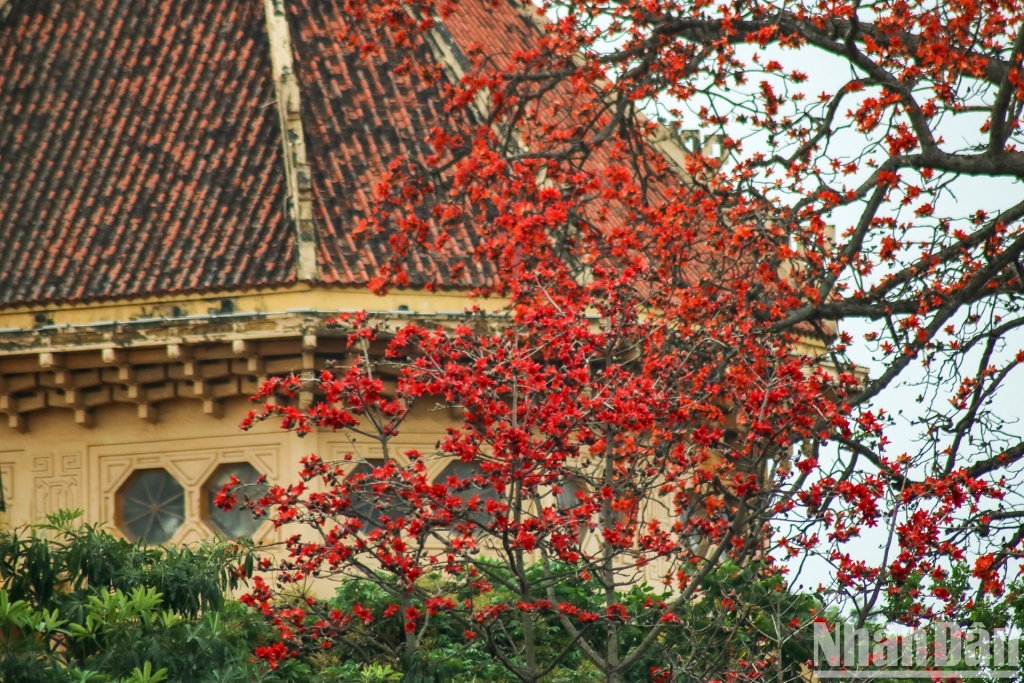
{"x":550,"y":402}
{"x":773,"y":617}
{"x":78,"y":604}
{"x":671,"y":351}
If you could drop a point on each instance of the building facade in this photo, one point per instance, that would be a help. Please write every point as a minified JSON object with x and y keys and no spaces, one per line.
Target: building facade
{"x":179,"y":187}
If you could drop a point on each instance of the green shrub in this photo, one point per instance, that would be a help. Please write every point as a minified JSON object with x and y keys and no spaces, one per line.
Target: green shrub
{"x":79,"y":604}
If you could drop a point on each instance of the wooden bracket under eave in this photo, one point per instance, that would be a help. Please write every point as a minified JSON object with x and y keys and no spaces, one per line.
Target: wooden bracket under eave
{"x":293,"y":139}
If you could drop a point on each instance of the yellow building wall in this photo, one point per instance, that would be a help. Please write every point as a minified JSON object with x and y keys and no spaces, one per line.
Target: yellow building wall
{"x":58,"y":464}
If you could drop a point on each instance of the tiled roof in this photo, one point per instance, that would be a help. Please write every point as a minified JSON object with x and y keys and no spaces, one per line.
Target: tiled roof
{"x":139,"y":151}
{"x":140,"y":148}
{"x":358,"y":115}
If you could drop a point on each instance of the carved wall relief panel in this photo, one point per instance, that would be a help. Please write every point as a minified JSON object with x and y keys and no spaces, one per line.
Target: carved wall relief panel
{"x":57,"y":483}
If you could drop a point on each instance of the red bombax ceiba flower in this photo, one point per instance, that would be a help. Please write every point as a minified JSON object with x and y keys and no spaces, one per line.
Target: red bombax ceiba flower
{"x":667,"y":363}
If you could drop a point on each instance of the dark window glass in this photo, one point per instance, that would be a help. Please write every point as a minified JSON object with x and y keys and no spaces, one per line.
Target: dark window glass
{"x":152,"y":506}
{"x":365,"y":504}
{"x":693,"y":536}
{"x":237,"y":522}
{"x":463,"y":471}
{"x":568,"y":499}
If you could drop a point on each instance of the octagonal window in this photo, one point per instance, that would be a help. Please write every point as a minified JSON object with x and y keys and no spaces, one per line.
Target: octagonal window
{"x":694,"y":537}
{"x":691,"y":536}
{"x":466,"y":470}
{"x":569,"y":496}
{"x":368,"y":506}
{"x":150,"y":506}
{"x":238,"y":522}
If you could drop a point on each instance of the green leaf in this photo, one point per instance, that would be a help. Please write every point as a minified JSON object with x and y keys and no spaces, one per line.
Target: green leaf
{"x":146,"y":675}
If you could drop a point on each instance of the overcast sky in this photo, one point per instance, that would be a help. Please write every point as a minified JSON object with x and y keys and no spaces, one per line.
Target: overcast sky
{"x":827,"y":74}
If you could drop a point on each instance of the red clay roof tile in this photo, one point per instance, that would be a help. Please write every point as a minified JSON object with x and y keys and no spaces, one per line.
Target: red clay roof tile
{"x":140,"y":146}
{"x":358,"y":115}
{"x":138,"y":155}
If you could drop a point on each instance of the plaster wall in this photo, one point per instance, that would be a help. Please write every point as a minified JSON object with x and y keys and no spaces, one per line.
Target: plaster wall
{"x":59,"y":464}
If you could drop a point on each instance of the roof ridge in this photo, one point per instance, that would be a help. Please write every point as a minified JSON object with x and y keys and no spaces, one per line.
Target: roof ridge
{"x":299,"y":186}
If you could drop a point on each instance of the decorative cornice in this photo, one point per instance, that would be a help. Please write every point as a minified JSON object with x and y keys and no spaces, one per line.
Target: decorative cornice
{"x":293,"y":139}
{"x":205,"y":358}
{"x":328,"y":297}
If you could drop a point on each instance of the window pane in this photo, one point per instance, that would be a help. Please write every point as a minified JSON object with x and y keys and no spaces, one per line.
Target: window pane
{"x":238,"y":522}
{"x":152,"y":506}
{"x":463,"y":471}
{"x":369,"y":507}
{"x":568,"y":498}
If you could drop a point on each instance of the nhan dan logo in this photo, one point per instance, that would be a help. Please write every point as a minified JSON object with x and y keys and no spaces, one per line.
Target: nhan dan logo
{"x":943,"y":650}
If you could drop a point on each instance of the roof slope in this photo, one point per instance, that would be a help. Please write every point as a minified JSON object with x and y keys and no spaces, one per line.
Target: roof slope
{"x":140,"y":146}
{"x":139,"y":151}
{"x":358,"y":115}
